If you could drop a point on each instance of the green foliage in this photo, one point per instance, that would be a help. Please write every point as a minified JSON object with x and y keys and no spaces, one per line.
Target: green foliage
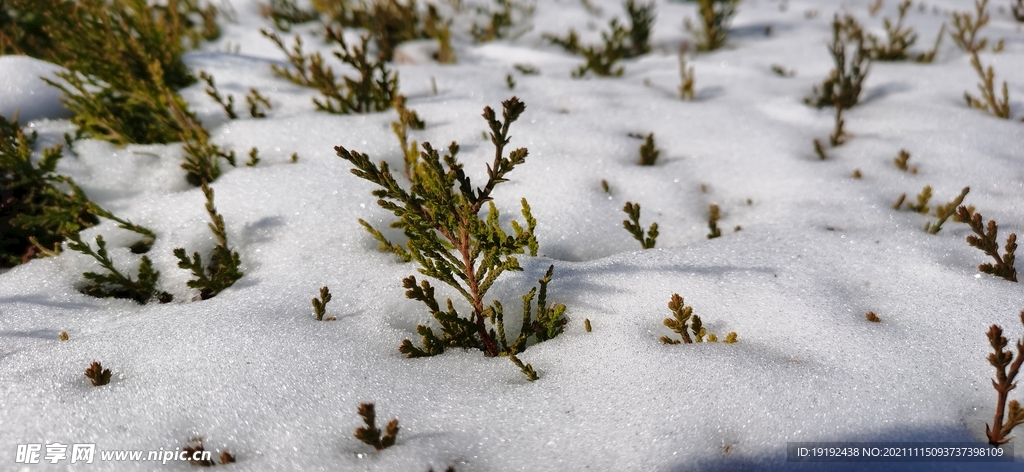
{"x":633,"y":226}
{"x":901,"y":162}
{"x":988,"y":101}
{"x":202,"y":158}
{"x":619,"y":42}
{"x":257,"y":103}
{"x":899,"y":39}
{"x":943,"y":212}
{"x":407,"y":119}
{"x":648,"y":151}
{"x":684,"y":321}
{"x":320,"y":304}
{"x":211,"y":90}
{"x":527,"y":369}
{"x":500,"y":20}
{"x":114,"y":284}
{"x":374,"y":88}
{"x":38,"y":207}
{"x":222,"y":271}
{"x":966,"y":28}
{"x":922,"y":201}
{"x":440,"y":215}
{"x":369,"y":433}
{"x":285,"y":14}
{"x":843,"y":85}
{"x":715,"y":16}
{"x":97,"y":374}
{"x":1003,"y":383}
{"x":987,"y":239}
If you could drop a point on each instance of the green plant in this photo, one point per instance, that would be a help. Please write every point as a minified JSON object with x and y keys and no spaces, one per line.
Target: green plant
{"x":38,"y":207}
{"x":256,"y":102}
{"x":320,"y":304}
{"x":285,"y":14}
{"x":900,"y":161}
{"x":223,"y":269}
{"x":407,"y":119}
{"x":922,"y":201}
{"x":943,"y":212}
{"x":987,"y":240}
{"x":501,"y":20}
{"x":715,"y":16}
{"x":843,"y":85}
{"x":687,"y":77}
{"x":899,"y":39}
{"x":202,"y":158}
{"x":684,"y":321}
{"x":254,"y":157}
{"x":966,"y":28}
{"x":527,"y":369}
{"x":369,"y":433}
{"x":648,"y":151}
{"x":714,"y":214}
{"x":928,"y":56}
{"x":440,"y":215}
{"x":838,"y":136}
{"x":633,"y":226}
{"x":373,"y":90}
{"x":114,"y":284}
{"x":211,"y":90}
{"x":619,"y":43}
{"x":1003,"y":383}
{"x":97,"y":374}
{"x":988,"y":100}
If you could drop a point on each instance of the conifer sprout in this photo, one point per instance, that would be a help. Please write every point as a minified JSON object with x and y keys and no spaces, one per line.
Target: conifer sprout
{"x":715,"y":17}
{"x":370,"y":434}
{"x":1003,"y":383}
{"x":648,"y":151}
{"x":619,"y":43}
{"x":451,"y":242}
{"x":223,"y":268}
{"x":999,"y":108}
{"x":633,"y":226}
{"x":966,"y":28}
{"x":684,"y":322}
{"x":843,"y":86}
{"x":987,"y":239}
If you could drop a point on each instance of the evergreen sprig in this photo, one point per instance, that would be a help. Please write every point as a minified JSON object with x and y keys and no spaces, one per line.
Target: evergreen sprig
{"x":370,"y":434}
{"x":684,"y":321}
{"x":223,"y":268}
{"x":440,"y":215}
{"x":987,"y":239}
{"x":715,"y":17}
{"x":619,"y":42}
{"x":633,"y":226}
{"x":899,"y":39}
{"x":1003,"y":383}
{"x":966,"y":28}
{"x":320,"y":304}
{"x":999,"y":108}
{"x":113,"y":283}
{"x":843,"y":86}
{"x":97,"y":374}
{"x":943,"y":212}
{"x":648,"y":151}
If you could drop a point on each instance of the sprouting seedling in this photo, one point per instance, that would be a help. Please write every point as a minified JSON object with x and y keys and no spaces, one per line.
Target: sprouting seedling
{"x":987,"y":240}
{"x":1003,"y":383}
{"x":648,"y":151}
{"x":633,"y":226}
{"x":369,"y":433}
{"x":320,"y":305}
{"x":684,"y":322}
{"x":97,"y":374}
{"x":997,"y":107}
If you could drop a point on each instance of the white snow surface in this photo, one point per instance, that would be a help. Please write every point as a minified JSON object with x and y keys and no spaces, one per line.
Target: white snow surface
{"x":252,"y":372}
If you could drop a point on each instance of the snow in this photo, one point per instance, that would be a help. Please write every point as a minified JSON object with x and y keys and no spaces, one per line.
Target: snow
{"x":252,"y":372}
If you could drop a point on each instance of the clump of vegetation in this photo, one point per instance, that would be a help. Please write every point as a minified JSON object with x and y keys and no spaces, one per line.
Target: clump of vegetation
{"x":500,"y":20}
{"x":202,"y":158}
{"x":648,"y":151}
{"x":388,"y":22}
{"x":255,"y":100}
{"x":943,"y":212}
{"x":899,"y":40}
{"x":872,"y":317}
{"x":619,"y":43}
{"x":966,"y":28}
{"x":369,"y":433}
{"x":988,"y":101}
{"x":715,"y":16}
{"x":686,"y":75}
{"x":922,"y":201}
{"x":842,"y":87}
{"x":373,"y":90}
{"x":320,"y":305}
{"x":987,"y":240}
{"x":714,"y":214}
{"x":285,"y":14}
{"x":97,"y":374}
{"x":901,"y":162}
{"x":223,"y":268}
{"x":684,"y":322}
{"x":440,"y":214}
{"x":38,"y":207}
{"x":113,"y":283}
{"x":1003,"y":383}
{"x":197,"y":455}
{"x":633,"y":226}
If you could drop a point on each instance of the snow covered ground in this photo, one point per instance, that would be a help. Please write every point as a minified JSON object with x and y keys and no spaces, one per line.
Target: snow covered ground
{"x":252,"y":372}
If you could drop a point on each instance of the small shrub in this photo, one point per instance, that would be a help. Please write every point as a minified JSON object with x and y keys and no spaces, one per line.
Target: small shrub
{"x":648,"y":151}
{"x":320,"y":305}
{"x":684,"y":321}
{"x":986,"y":239}
{"x":500,"y":20}
{"x":633,"y":226}
{"x":988,"y":101}
{"x":257,"y":103}
{"x":115,"y":284}
{"x":842,"y":88}
{"x":254,"y":157}
{"x":619,"y":43}
{"x":966,"y":28}
{"x":715,"y":16}
{"x":223,"y":268}
{"x":369,"y":433}
{"x":899,"y":39}
{"x":97,"y":374}
{"x":440,"y":214}
{"x":1003,"y":383}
